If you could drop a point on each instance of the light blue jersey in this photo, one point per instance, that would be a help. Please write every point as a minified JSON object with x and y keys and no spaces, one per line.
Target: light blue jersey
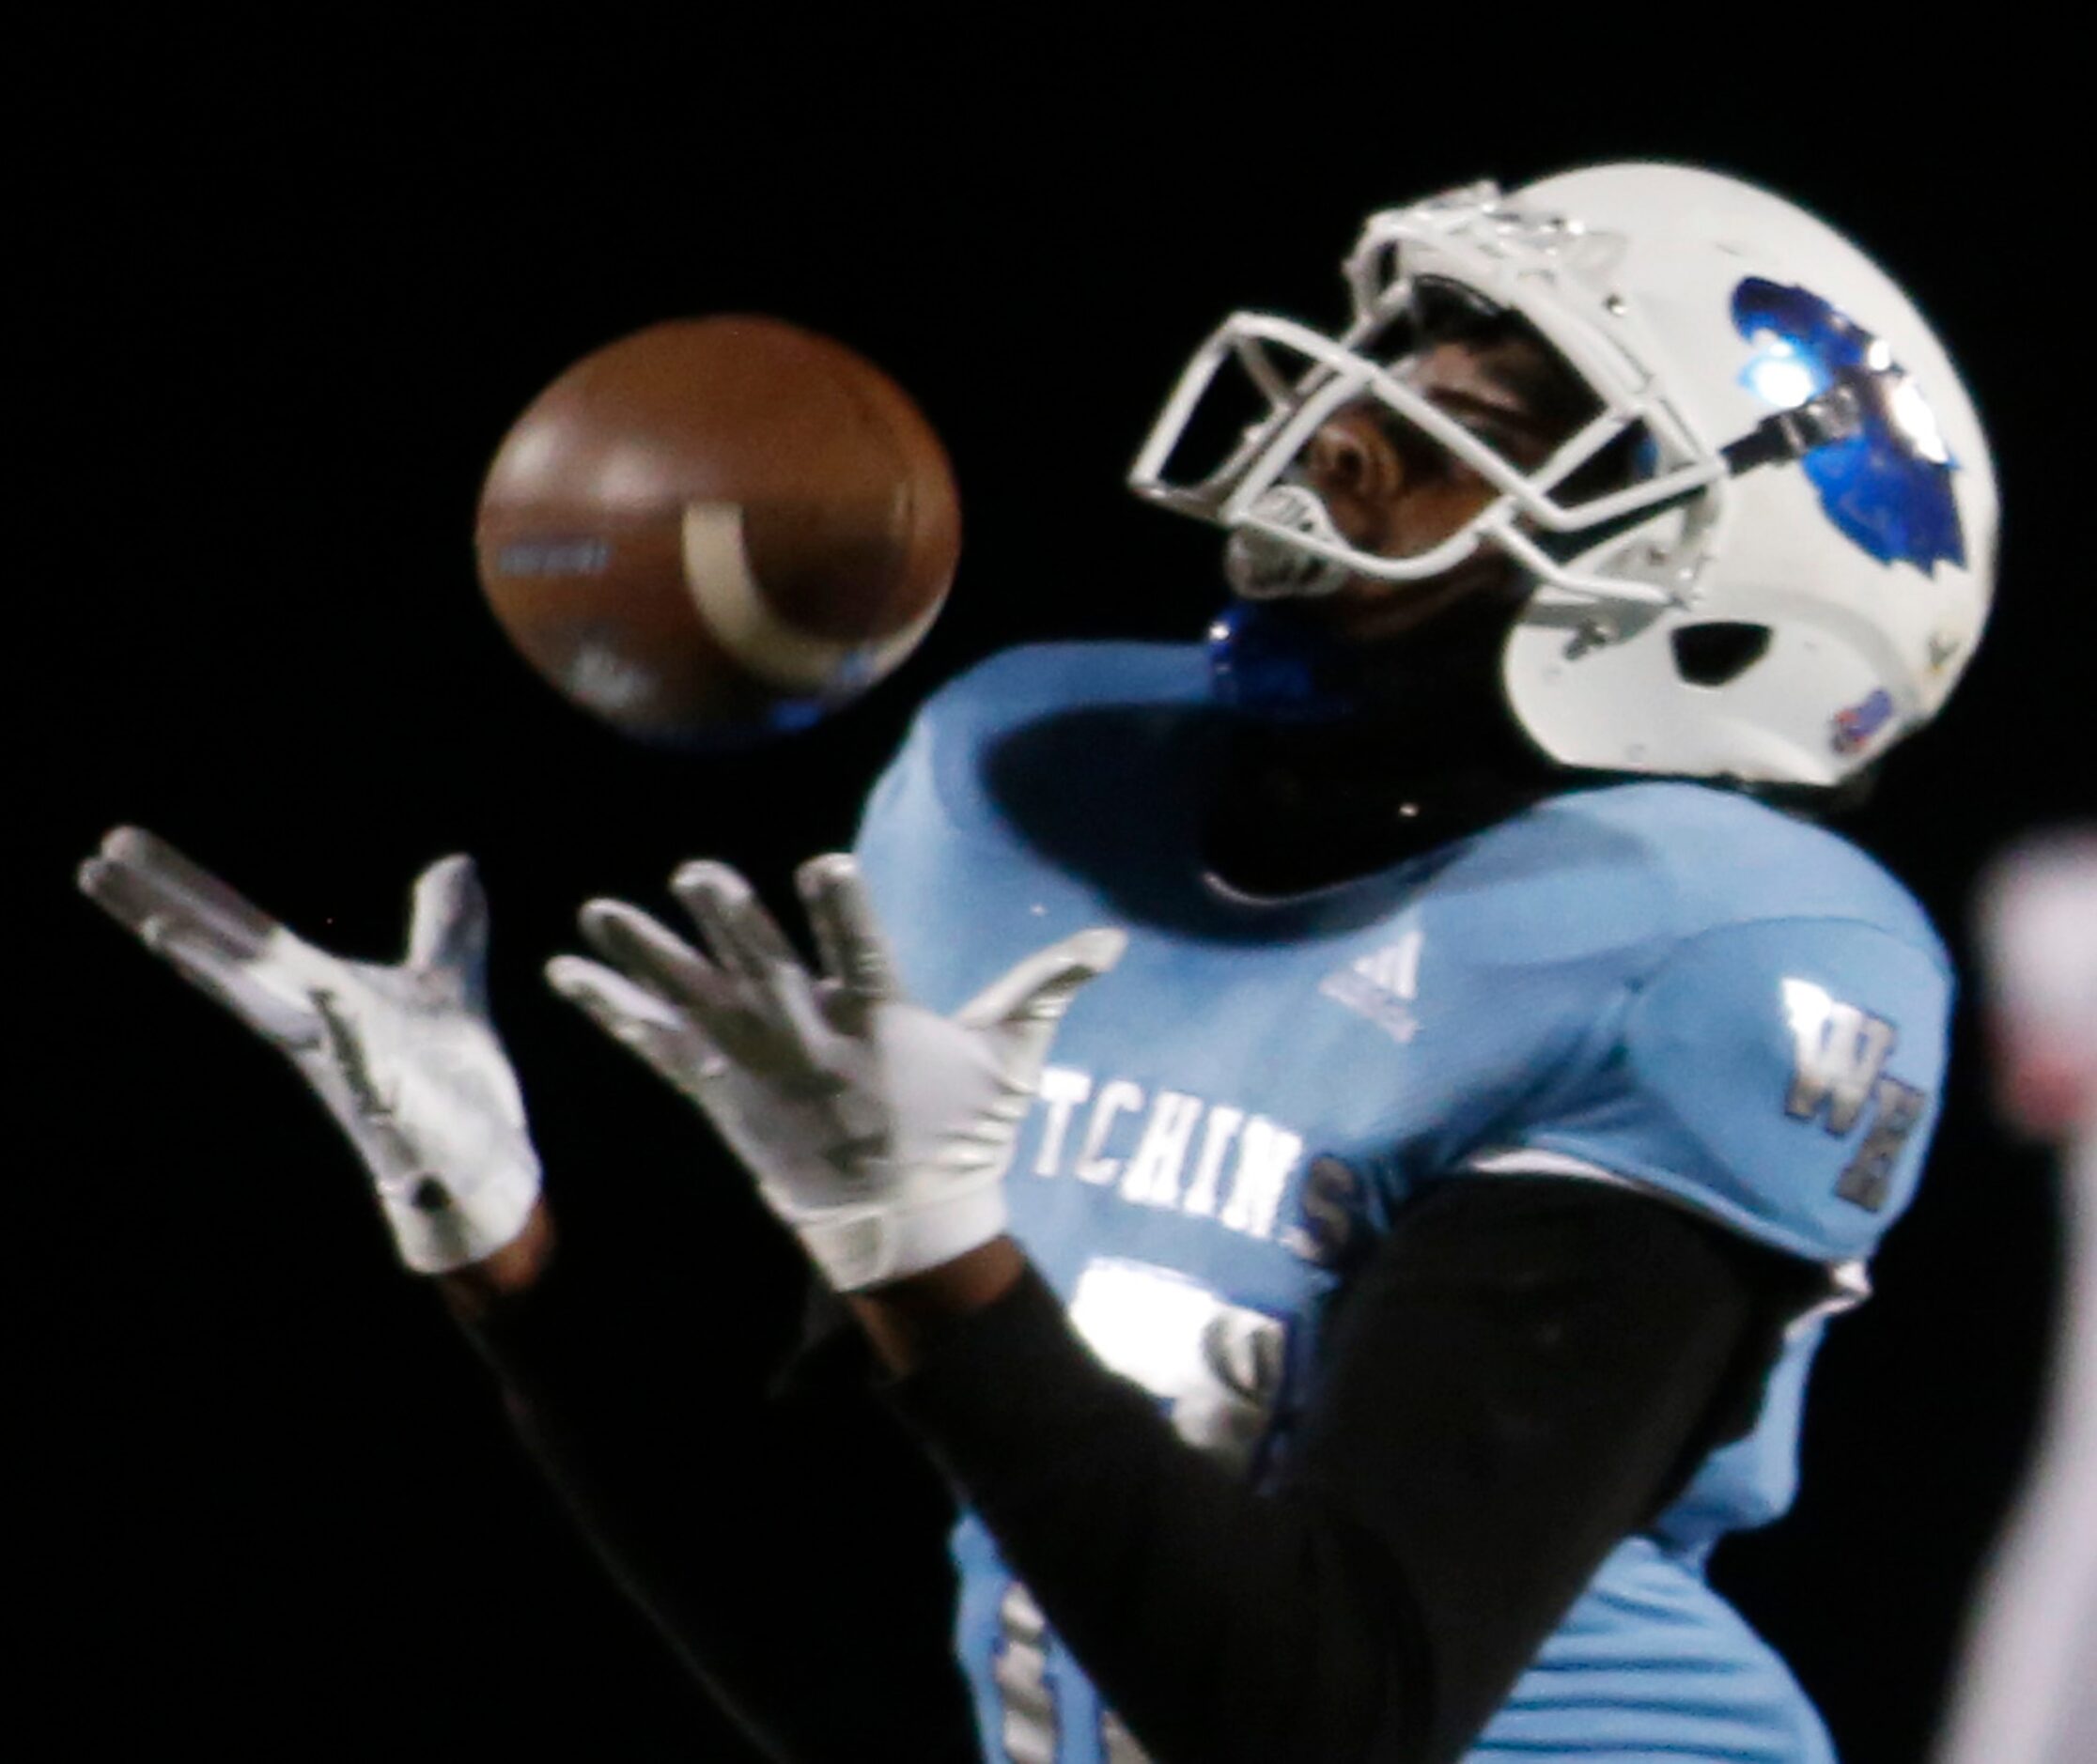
{"x":1656,"y":983}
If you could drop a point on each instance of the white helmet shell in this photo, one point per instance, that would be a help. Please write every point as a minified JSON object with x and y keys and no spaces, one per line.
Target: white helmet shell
{"x":1861,"y":647}
{"x":1813,"y":485}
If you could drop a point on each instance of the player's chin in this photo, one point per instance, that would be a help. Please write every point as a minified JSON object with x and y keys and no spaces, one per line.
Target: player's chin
{"x":1364,"y":610}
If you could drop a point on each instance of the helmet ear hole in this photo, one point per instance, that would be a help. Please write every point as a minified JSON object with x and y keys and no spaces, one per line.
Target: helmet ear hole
{"x":1717,"y":653}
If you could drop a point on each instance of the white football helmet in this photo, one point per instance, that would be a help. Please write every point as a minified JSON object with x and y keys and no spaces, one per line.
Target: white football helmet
{"x":1792,"y":564}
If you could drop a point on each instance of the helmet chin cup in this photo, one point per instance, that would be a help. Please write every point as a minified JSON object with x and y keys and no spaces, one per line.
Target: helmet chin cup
{"x":1263,"y":563}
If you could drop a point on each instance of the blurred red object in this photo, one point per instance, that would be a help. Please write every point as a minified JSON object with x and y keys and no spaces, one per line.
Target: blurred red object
{"x":2037,"y":927}
{"x":2025,"y":1692}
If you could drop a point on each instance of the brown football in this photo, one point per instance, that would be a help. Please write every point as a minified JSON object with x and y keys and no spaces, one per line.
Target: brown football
{"x":718,"y":529}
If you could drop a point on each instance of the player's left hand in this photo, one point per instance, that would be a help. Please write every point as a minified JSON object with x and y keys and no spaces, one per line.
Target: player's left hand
{"x":878,"y":1130}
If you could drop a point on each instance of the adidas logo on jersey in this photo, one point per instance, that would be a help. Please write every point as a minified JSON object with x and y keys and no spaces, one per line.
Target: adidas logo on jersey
{"x":1382,"y":985}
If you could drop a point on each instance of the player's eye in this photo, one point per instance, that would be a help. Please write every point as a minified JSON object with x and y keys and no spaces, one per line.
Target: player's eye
{"x":1426,"y":458}
{"x":1501,"y":440}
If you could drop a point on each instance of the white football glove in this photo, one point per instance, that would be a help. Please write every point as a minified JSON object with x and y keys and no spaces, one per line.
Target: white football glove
{"x":877,"y":1130}
{"x":405,"y":1058}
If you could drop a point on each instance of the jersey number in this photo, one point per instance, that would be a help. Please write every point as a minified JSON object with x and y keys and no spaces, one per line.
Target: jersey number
{"x":1215,"y":1368}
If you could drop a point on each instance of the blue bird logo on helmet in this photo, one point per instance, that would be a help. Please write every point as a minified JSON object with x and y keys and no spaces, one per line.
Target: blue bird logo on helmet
{"x":1889,"y":486}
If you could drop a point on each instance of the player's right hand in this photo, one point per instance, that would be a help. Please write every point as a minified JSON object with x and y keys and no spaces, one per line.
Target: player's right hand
{"x":404,"y":1057}
{"x":877,"y":1130}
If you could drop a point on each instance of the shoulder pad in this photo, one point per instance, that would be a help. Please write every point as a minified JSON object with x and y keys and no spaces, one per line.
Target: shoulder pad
{"x":1781,"y":1075}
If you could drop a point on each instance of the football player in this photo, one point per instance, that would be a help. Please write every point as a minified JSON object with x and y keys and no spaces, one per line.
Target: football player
{"x":1342,"y":1139}
{"x":2022,"y":1689}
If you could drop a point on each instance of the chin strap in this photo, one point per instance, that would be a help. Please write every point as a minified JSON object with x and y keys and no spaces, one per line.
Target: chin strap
{"x":1835,"y":415}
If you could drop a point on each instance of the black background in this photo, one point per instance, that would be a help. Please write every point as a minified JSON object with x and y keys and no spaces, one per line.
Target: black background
{"x":290,"y":282}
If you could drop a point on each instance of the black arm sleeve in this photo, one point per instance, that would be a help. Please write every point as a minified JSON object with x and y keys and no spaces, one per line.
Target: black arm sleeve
{"x":787,"y":1539}
{"x":1525,"y":1374}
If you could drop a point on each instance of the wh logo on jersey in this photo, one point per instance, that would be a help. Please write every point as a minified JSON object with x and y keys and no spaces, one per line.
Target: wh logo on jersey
{"x":1383,"y":985}
{"x":1841,"y":1054}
